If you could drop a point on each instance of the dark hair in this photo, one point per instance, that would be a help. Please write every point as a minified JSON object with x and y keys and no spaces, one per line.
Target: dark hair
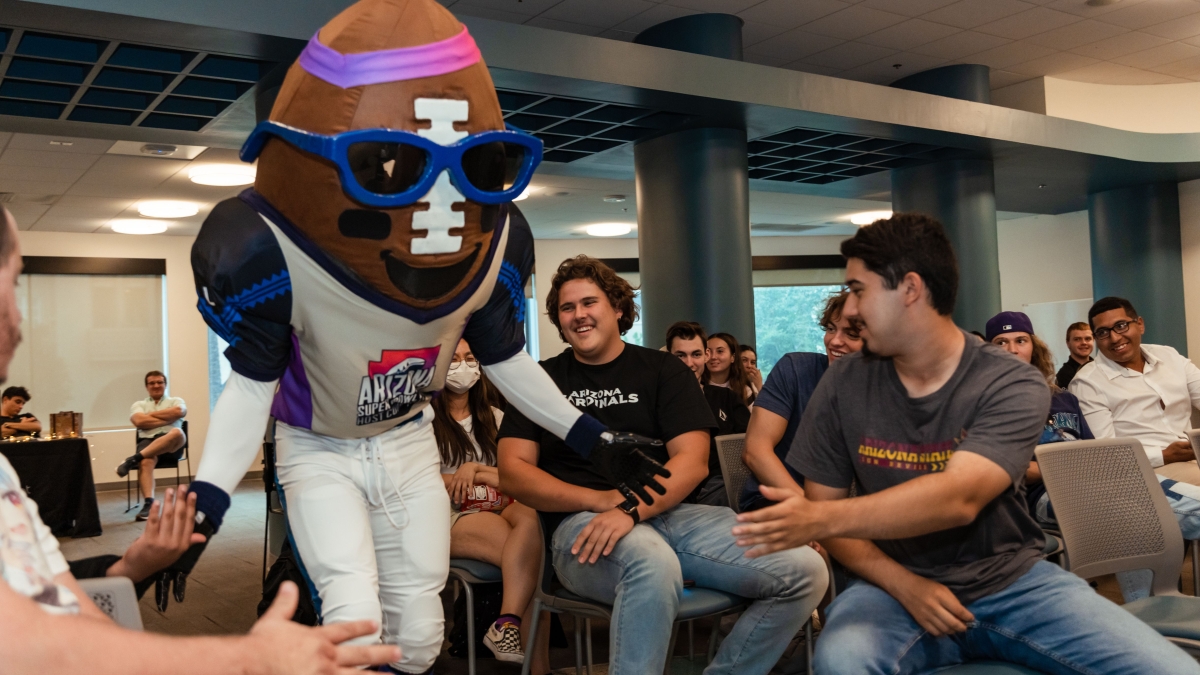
{"x":16,"y":391}
{"x":452,"y":441}
{"x":686,"y":330}
{"x":619,"y":292}
{"x":7,"y":240}
{"x":1109,"y":304}
{"x":1078,"y":325}
{"x":151,"y":374}
{"x":833,"y":309}
{"x":747,"y":348}
{"x":738,"y":380}
{"x":909,"y":242}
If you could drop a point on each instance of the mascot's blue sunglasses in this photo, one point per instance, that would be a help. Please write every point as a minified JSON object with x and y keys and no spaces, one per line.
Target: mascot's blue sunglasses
{"x":388,"y":168}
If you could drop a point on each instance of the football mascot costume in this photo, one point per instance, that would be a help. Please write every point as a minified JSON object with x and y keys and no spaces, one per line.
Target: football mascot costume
{"x":379,"y":231}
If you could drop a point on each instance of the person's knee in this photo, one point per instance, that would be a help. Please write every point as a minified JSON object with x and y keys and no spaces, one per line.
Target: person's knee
{"x":148,"y":463}
{"x":650,"y":565}
{"x":849,"y":649}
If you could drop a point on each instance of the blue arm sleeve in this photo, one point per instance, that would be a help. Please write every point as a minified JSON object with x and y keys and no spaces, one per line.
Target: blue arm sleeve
{"x":497,"y":332}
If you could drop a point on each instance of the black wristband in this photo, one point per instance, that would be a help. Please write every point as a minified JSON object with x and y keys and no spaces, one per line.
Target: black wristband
{"x":630,"y":508}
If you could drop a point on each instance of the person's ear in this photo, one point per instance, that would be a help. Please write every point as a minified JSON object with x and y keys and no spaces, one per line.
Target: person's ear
{"x":913,"y":288}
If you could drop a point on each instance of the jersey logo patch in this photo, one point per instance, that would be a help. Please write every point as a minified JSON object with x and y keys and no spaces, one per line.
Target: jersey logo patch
{"x":394,"y":383}
{"x":510,"y":278}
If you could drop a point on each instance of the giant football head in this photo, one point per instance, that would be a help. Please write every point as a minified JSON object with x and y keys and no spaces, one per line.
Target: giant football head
{"x":387,"y":149}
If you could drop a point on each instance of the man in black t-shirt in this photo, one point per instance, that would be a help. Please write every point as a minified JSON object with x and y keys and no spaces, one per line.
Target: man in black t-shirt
{"x":936,"y":429}
{"x":688,"y":341}
{"x":612,"y":547}
{"x":13,"y":422}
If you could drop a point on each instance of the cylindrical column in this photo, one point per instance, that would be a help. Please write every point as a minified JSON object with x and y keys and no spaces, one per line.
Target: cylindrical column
{"x":693,"y":199}
{"x":1137,"y":255}
{"x":961,"y":194}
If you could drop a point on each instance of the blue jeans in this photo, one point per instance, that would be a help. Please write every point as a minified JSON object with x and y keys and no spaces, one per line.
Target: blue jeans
{"x":1048,"y":620}
{"x":643,"y":580}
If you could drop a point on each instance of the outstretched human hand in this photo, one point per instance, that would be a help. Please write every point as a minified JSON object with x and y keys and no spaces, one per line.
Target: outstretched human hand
{"x":618,"y":455}
{"x":794,"y":521}
{"x":168,"y":535}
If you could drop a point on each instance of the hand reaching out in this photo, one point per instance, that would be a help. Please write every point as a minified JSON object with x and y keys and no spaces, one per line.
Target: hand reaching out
{"x":167,"y":536}
{"x":793,"y":522}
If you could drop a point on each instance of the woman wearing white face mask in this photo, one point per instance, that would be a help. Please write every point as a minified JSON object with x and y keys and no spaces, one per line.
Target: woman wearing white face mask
{"x":484,"y":524}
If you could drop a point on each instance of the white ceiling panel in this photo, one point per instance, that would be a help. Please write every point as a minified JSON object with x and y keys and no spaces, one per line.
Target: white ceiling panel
{"x":853,"y":22}
{"x":38,"y":173}
{"x":716,"y":6}
{"x":470,"y":9}
{"x":1150,"y":13}
{"x":69,"y":206}
{"x":50,"y":160}
{"x":1005,"y":78}
{"x":972,"y":13}
{"x":25,"y":214}
{"x":1120,"y":45}
{"x":1057,"y":62}
{"x":789,"y":14}
{"x":1028,"y":23}
{"x":1107,"y":72}
{"x":851,"y":54}
{"x":908,"y":34}
{"x":1150,"y":59}
{"x":960,"y":45}
{"x":884,"y":71}
{"x":1187,"y":68}
{"x":135,"y":172}
{"x":1008,"y":55}
{"x":653,"y":16}
{"x":1176,"y":29}
{"x":30,"y":187}
{"x":908,"y":7}
{"x":1077,"y":34}
{"x":754,"y":32}
{"x":92,"y":146}
{"x":795,"y":44}
{"x":72,"y":224}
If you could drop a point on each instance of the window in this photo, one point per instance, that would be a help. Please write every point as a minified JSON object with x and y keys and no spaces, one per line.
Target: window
{"x":785,"y":320}
{"x":88,"y":342}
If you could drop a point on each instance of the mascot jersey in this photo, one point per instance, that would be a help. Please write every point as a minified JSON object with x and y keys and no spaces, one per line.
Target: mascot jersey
{"x":351,"y":362}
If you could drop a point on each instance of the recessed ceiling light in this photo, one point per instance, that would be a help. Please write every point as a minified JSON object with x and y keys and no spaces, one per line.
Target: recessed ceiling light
{"x":526,"y":192}
{"x":608,"y":229}
{"x":159,"y":149}
{"x":135,"y":226}
{"x":222,"y":175}
{"x":614,"y":199}
{"x":167,"y":208}
{"x":868,"y":217}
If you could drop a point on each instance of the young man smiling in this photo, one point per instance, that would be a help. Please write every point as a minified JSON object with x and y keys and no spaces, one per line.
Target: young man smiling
{"x":936,"y":429}
{"x":612,"y":547}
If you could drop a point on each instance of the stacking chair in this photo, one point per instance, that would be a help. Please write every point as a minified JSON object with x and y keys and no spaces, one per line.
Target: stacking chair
{"x":116,"y":597}
{"x":1115,"y":518}
{"x":735,"y":471}
{"x":466,"y":572}
{"x":697,"y":603}
{"x":170,"y":461}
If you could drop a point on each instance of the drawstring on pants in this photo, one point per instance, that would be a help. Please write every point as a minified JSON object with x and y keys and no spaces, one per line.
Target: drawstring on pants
{"x":373,"y":465}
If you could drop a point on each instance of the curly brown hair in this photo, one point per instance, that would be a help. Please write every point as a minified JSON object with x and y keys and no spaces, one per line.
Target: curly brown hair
{"x":1043,"y":360}
{"x":619,"y":292}
{"x":833,"y":309}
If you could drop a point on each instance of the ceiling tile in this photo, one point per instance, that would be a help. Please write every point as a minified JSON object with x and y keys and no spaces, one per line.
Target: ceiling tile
{"x":883,"y":71}
{"x":909,"y":7}
{"x":464,"y":8}
{"x":754,"y":32}
{"x":69,"y":206}
{"x":4,"y":136}
{"x":1176,"y":29}
{"x":763,"y":59}
{"x":811,"y":68}
{"x":1158,"y":56}
{"x":1083,"y":9}
{"x":1077,"y":34}
{"x":25,"y":214}
{"x":527,"y":8}
{"x":1186,"y":68}
{"x":601,"y":14}
{"x":31,"y":187}
{"x":1150,"y":13}
{"x":1007,"y":55}
{"x":716,"y":6}
{"x":909,"y":34}
{"x":38,"y":173}
{"x":791,"y":13}
{"x":1005,"y":78}
{"x":69,"y":144}
{"x":1115,"y":73}
{"x":853,"y":22}
{"x":49,"y":223}
{"x":623,"y":36}
{"x":971,"y":13}
{"x":134,"y":172}
{"x":794,"y":44}
{"x":959,"y":45}
{"x":652,"y":17}
{"x":849,"y":55}
{"x":1029,"y":23}
{"x":564,"y":26}
{"x":1059,"y":62}
{"x":41,"y":158}
{"x":1120,"y":45}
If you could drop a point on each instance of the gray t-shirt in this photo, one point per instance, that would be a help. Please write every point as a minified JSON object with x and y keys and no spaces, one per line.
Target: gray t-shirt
{"x":861,"y":425}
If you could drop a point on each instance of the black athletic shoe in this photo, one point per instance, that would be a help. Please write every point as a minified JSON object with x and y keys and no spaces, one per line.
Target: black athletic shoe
{"x":145,"y":512}
{"x":128,"y":465}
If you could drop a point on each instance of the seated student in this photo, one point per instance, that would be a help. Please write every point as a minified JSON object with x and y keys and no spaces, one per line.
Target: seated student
{"x":725,"y":369}
{"x":937,"y":430}
{"x":159,"y":421}
{"x":686,"y":339}
{"x":51,"y":627}
{"x":608,"y":545}
{"x":781,"y":403}
{"x":1081,"y":345}
{"x":495,"y":531}
{"x":13,"y":422}
{"x":749,"y":357}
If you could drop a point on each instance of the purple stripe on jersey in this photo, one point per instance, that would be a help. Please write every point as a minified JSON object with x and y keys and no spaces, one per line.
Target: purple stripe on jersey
{"x":293,"y":402}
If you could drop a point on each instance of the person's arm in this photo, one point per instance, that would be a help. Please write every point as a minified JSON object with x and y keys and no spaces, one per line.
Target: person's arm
{"x":31,"y":423}
{"x":1094,"y":406}
{"x":521,"y":479}
{"x":38,"y":643}
{"x":167,"y":536}
{"x":931,"y":604}
{"x":949,"y":498}
{"x":170,"y":415}
{"x":146,"y":422}
{"x":764,"y":433}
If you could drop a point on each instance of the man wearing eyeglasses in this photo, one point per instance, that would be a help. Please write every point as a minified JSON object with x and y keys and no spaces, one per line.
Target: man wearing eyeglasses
{"x":1137,"y":390}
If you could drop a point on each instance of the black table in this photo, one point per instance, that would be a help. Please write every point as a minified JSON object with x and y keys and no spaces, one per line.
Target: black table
{"x":57,"y":474}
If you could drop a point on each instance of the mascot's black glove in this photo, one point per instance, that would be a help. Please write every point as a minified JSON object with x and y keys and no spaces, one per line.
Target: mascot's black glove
{"x":178,"y":572}
{"x":619,"y":457}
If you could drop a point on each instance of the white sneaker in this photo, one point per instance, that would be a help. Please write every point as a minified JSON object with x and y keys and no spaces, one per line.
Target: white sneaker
{"x":505,"y":643}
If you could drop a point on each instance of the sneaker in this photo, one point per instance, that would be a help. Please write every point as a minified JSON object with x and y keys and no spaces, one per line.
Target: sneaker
{"x":505,"y":643}
{"x":128,"y":465}
{"x":144,"y":514}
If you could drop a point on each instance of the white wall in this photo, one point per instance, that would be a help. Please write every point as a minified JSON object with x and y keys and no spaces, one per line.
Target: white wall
{"x":187,"y":336}
{"x":1148,"y":108}
{"x":1044,"y":259}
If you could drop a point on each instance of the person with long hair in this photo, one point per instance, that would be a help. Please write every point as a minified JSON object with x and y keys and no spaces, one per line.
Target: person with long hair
{"x":725,"y":368}
{"x":484,"y":524}
{"x":749,"y":357}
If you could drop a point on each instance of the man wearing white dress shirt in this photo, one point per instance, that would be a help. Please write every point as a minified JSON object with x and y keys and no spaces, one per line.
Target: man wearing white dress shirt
{"x":1141,"y":391}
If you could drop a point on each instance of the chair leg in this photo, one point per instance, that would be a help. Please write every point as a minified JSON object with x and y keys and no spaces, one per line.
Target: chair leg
{"x":712,"y":639}
{"x":671,"y":648}
{"x":532,"y":646}
{"x":587,"y":628}
{"x":691,"y":640}
{"x":470,"y":626}
{"x":578,"y":646}
{"x":1196,"y":567}
{"x":808,"y":645}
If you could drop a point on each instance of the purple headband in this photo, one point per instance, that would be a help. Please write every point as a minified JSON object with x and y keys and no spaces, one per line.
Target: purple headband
{"x":389,"y":65}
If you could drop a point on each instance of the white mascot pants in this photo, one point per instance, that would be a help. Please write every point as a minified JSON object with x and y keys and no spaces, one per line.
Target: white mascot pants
{"x":371,"y":522}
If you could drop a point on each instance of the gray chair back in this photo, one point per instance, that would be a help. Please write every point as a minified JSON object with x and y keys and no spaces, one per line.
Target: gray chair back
{"x":116,"y":597}
{"x":1113,"y":513}
{"x":734,"y":470}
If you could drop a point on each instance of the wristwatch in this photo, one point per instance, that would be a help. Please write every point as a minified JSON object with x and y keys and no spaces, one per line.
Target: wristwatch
{"x":630,"y":508}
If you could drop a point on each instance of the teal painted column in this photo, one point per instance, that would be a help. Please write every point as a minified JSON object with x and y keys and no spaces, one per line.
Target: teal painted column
{"x":1137,"y":255}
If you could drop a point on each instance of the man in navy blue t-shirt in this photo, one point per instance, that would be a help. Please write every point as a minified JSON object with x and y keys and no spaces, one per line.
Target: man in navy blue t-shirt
{"x":781,"y":403}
